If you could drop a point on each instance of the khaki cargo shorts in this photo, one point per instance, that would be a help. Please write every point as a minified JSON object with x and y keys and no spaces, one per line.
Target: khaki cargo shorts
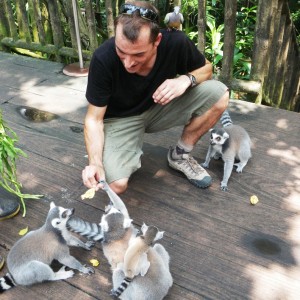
{"x":124,"y":137}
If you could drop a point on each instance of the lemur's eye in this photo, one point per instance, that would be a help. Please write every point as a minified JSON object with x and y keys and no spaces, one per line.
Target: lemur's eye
{"x":218,"y":139}
{"x":64,"y":214}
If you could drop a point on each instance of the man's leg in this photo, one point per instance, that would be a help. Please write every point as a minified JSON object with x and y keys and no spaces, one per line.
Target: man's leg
{"x":198,"y":126}
{"x":122,"y":150}
{"x":198,"y":110}
{"x":179,"y":158}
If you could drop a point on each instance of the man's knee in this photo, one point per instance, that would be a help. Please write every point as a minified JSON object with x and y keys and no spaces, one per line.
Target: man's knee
{"x":119,"y":186}
{"x":223,"y":102}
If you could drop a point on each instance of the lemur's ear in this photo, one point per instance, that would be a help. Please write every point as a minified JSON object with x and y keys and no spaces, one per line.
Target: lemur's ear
{"x":159,"y":235}
{"x":144,"y":228}
{"x":52,"y":204}
{"x":127,"y":222}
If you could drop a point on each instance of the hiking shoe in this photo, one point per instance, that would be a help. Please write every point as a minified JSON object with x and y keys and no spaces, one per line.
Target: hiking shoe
{"x":1,"y":262}
{"x":9,"y":207}
{"x":189,"y":167}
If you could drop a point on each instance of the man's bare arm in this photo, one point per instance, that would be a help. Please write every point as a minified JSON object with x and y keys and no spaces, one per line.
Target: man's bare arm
{"x":94,"y":141}
{"x":172,"y":88}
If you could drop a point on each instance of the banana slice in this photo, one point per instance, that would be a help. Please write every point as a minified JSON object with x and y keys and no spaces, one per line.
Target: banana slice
{"x":89,"y":194}
{"x":253,"y":200}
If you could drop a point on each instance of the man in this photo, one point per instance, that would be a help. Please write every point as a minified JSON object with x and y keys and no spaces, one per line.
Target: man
{"x":147,"y":80}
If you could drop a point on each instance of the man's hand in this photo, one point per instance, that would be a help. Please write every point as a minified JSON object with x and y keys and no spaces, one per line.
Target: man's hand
{"x":91,"y":176}
{"x":170,"y":89}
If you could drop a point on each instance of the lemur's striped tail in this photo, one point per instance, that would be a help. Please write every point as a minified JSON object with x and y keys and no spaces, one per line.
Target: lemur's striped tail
{"x":122,"y":287}
{"x":6,"y":283}
{"x":84,"y":228}
{"x":225,"y":119}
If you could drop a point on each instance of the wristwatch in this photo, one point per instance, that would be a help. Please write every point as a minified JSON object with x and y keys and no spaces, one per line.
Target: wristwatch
{"x":192,"y":79}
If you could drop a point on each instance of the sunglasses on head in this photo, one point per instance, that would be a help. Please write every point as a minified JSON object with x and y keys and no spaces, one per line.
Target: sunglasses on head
{"x":146,"y":13}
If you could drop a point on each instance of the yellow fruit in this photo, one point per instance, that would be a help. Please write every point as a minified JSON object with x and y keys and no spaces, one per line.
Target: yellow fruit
{"x":89,"y":194}
{"x":253,"y":200}
{"x":94,"y":262}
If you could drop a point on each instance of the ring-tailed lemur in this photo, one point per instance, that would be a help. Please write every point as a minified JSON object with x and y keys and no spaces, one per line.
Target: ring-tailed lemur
{"x":135,"y":260}
{"x":118,"y":233}
{"x":29,"y":259}
{"x":229,"y":143}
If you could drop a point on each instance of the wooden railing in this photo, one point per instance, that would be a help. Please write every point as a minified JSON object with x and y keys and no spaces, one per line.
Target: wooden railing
{"x":275,"y":61}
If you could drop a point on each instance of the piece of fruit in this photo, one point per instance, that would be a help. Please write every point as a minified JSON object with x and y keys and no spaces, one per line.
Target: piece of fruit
{"x":253,"y":200}
{"x":89,"y":194}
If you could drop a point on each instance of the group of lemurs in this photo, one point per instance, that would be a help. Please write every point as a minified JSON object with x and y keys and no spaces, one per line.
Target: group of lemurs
{"x":140,"y":267}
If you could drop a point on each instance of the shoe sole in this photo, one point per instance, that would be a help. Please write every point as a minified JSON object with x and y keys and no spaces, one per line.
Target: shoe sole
{"x":194,"y":182}
{"x":11,"y":214}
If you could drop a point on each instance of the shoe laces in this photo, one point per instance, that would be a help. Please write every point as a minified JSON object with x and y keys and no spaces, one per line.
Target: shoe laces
{"x":192,"y":163}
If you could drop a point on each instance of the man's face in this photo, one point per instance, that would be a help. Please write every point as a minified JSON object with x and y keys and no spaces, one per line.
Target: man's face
{"x":139,"y":56}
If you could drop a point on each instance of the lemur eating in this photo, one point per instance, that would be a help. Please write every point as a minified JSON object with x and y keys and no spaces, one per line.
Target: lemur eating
{"x":141,"y":269}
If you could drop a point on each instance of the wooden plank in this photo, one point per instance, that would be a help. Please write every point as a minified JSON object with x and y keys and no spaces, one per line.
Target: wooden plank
{"x":221,"y":247}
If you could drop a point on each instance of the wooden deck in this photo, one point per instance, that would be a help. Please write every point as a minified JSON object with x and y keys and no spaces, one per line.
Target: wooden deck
{"x":221,"y":247}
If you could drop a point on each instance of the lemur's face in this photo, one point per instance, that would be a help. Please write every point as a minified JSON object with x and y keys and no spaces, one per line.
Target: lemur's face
{"x":218,"y":137}
{"x":62,"y":215}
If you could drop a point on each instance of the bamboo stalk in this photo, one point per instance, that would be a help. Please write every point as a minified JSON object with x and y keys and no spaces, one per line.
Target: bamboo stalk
{"x":11,"y":20}
{"x":24,"y":31}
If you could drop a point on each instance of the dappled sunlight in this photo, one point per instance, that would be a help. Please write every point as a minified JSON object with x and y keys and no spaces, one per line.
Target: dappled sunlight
{"x":160,"y":173}
{"x":274,"y":282}
{"x":49,"y":101}
{"x":243,"y":108}
{"x":294,"y":236}
{"x":290,"y":156}
{"x":282,"y":123}
{"x":28,"y":180}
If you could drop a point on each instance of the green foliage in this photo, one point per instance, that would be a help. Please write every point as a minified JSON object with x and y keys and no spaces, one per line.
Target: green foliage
{"x":295,"y":12}
{"x":246,"y":17}
{"x":8,"y":171}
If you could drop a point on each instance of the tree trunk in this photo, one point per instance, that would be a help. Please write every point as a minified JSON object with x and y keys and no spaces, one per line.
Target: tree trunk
{"x":24,"y":31}
{"x":229,"y":39}
{"x":91,"y":23}
{"x":38,"y":19}
{"x":274,"y":65}
{"x":201,"y":23}
{"x":11,"y":20}
{"x":55,"y":23}
{"x":261,"y":42}
{"x":109,"y":18}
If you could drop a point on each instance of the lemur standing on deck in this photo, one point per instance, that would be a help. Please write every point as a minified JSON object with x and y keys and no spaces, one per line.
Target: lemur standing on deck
{"x":230,"y":142}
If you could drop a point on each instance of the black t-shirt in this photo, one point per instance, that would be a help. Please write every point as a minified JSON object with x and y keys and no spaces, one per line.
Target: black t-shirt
{"x":127,"y":94}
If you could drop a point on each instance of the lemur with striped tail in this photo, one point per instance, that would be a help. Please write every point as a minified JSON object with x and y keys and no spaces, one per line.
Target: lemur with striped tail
{"x":232,"y":142}
{"x":119,"y":235}
{"x":30,"y":257}
{"x":136,"y":261}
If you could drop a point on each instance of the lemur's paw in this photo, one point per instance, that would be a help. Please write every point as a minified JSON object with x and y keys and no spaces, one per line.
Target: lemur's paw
{"x":87,"y":270}
{"x":90,"y":244}
{"x":224,"y":188}
{"x":205,"y":165}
